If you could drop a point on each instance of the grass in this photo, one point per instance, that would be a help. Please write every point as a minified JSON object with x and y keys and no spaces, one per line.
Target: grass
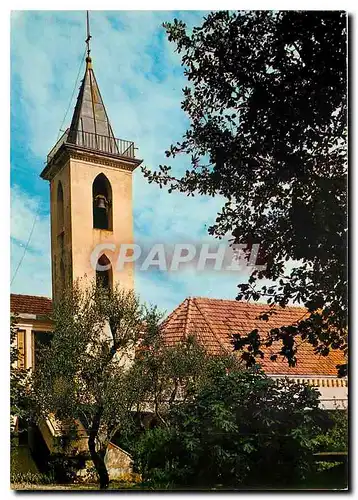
{"x":75,"y":487}
{"x":328,"y":477}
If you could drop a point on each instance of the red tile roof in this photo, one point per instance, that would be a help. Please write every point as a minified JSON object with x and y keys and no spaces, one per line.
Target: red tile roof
{"x":30,"y":304}
{"x":214,"y":321}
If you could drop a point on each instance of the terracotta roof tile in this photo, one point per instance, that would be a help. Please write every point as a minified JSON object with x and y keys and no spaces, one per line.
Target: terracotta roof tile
{"x":214,"y":321}
{"x":30,"y":304}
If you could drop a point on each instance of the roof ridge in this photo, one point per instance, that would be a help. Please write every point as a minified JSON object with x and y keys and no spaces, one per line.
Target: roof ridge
{"x":210,"y":326}
{"x":174,"y":313}
{"x":32,"y":296}
{"x":256,"y":304}
{"x":187,"y":317}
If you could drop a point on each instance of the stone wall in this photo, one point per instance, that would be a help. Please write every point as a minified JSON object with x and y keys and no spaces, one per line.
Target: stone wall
{"x":119,"y":465}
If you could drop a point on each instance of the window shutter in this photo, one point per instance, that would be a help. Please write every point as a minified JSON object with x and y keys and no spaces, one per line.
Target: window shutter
{"x":21,"y":349}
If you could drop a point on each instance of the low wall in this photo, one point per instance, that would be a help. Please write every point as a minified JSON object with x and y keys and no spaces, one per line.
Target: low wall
{"x":119,"y":466}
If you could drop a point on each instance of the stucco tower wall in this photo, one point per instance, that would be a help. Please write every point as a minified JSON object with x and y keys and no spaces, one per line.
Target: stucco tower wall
{"x":64,"y":177}
{"x":85,"y":239}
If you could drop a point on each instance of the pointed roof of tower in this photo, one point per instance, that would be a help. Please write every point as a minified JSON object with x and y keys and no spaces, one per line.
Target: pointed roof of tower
{"x":90,"y":130}
{"x":90,"y":118}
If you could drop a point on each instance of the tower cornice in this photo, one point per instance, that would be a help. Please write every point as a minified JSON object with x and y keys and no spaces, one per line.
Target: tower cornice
{"x":71,"y":151}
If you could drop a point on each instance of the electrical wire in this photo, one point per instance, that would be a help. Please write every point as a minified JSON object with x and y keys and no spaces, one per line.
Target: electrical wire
{"x":59,"y":133}
{"x":26,"y":247}
{"x":73,"y":92}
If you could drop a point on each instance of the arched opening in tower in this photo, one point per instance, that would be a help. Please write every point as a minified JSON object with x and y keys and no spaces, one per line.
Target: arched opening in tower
{"x":102,"y":203}
{"x":104,"y":277}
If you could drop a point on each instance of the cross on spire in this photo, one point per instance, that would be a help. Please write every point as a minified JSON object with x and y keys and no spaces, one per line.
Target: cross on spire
{"x":88,"y":36}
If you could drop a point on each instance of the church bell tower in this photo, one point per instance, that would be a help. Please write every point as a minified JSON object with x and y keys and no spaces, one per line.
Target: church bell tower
{"x":90,"y":175}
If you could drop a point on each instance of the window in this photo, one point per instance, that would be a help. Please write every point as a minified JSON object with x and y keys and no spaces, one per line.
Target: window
{"x":60,"y":209}
{"x":102,"y":203}
{"x":104,"y":272}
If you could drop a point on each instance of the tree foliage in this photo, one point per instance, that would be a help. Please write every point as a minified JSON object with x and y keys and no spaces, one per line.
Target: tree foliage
{"x":240,"y":429}
{"x":82,"y":374}
{"x":19,"y":379}
{"x":214,"y":422}
{"x":163,"y":373}
{"x":108,"y":367}
{"x":268,"y":112}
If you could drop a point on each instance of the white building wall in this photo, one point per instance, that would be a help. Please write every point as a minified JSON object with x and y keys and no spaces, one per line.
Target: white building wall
{"x":333,"y":390}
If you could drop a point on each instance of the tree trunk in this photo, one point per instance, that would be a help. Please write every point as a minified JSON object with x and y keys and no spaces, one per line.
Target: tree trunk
{"x":98,"y":456}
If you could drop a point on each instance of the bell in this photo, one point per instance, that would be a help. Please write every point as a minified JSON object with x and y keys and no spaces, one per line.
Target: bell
{"x":101,"y":201}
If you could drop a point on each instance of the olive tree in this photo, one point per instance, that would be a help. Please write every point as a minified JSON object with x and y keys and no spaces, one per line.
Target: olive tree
{"x":82,"y":374}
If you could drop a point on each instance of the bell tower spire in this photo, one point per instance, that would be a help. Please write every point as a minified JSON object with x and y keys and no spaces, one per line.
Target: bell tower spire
{"x":90,"y":175}
{"x":90,"y":125}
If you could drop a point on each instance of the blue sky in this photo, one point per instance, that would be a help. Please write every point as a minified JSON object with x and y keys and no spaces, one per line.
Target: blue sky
{"x":140,"y":79}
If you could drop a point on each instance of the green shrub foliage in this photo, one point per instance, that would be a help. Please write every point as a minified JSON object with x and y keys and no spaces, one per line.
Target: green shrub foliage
{"x":242,"y":428}
{"x":335,"y":438}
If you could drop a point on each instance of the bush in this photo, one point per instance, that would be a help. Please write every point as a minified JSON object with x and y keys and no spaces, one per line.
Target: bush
{"x":242,"y":428}
{"x":335,"y":438}
{"x":31,"y":478}
{"x":64,"y":469}
{"x":156,"y":456}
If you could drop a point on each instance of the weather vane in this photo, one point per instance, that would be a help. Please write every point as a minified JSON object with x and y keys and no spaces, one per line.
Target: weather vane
{"x":88,"y":36}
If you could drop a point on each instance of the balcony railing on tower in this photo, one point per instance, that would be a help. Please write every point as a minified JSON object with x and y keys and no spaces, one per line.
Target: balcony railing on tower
{"x":89,"y":140}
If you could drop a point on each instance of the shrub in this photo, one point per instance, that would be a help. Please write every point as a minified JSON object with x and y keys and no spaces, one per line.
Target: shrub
{"x":64,"y":469}
{"x":335,"y":437}
{"x":31,"y":478}
{"x":242,"y":428}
